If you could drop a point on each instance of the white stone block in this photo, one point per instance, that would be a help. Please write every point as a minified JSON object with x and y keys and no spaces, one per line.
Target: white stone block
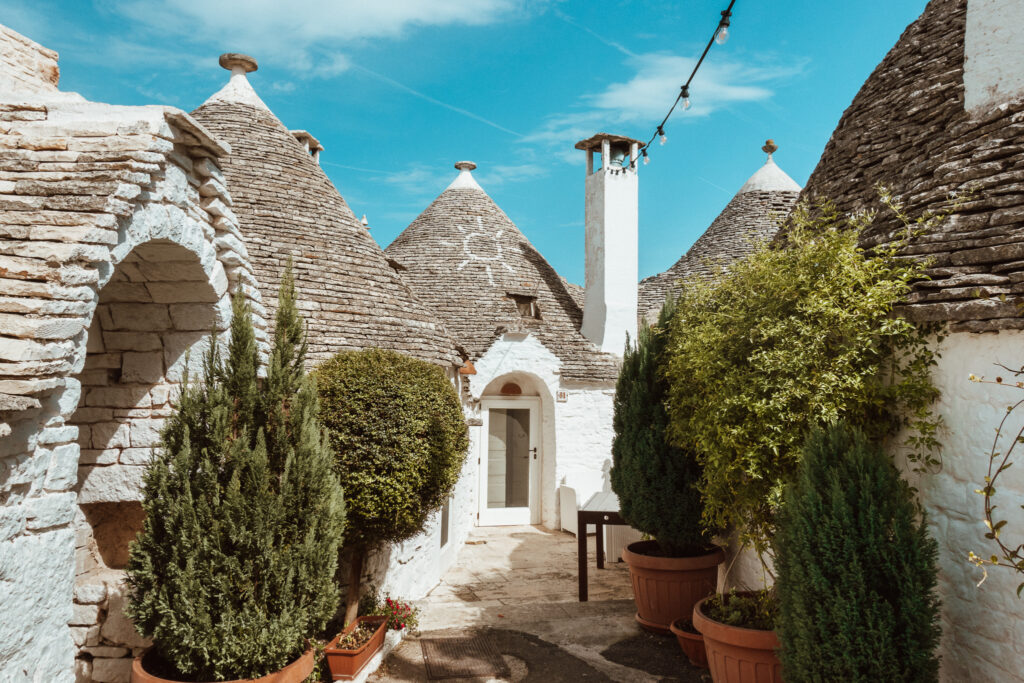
{"x":110,"y":435}
{"x":181,"y":347}
{"x":110,"y":483}
{"x":49,"y":510}
{"x":107,"y":456}
{"x":142,"y":367}
{"x":146,"y":433}
{"x":132,"y":341}
{"x":136,"y":456}
{"x":111,"y":670}
{"x":84,"y":615}
{"x":12,"y":521}
{"x":182,"y":292}
{"x":201,"y":317}
{"x":140,"y":317}
{"x":118,"y":628}
{"x":12,"y":349}
{"x":118,"y":397}
{"x":90,"y":592}
{"x":63,"y":468}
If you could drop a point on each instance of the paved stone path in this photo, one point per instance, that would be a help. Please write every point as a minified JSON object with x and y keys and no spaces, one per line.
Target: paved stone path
{"x":518,"y":586}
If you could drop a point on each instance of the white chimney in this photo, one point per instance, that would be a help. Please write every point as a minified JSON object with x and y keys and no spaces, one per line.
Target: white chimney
{"x":993,"y":54}
{"x":610,"y":311}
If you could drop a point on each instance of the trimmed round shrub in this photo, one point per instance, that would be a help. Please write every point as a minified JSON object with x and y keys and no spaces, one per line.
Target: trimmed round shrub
{"x":655,"y":481}
{"x":856,"y":568}
{"x":400,"y":438}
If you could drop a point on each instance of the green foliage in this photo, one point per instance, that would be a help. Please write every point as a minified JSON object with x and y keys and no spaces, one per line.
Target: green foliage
{"x":397,"y":427}
{"x":856,"y":568}
{"x":656,"y":482}
{"x":234,"y":569}
{"x":757,"y":609}
{"x":787,"y":339}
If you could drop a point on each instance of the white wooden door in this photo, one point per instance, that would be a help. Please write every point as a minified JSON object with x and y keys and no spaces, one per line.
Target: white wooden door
{"x":510,"y":460}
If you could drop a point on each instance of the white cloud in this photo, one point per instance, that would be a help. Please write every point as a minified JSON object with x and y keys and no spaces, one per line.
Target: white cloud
{"x":635,"y":106}
{"x":298,"y":26}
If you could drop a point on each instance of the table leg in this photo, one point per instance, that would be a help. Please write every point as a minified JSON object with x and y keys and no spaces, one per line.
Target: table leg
{"x":581,"y":542}
{"x":600,"y":545}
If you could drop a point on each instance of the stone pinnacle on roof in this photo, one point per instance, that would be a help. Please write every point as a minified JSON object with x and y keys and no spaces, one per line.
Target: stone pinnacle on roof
{"x":238,"y":88}
{"x":770,"y":178}
{"x":465,"y":179}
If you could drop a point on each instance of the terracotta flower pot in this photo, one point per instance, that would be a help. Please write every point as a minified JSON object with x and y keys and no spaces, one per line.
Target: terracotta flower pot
{"x":692,"y":644}
{"x":346,"y":664}
{"x":296,"y":672}
{"x":738,"y":655}
{"x":667,"y":588}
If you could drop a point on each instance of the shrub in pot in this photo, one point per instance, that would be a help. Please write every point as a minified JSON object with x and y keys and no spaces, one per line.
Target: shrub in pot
{"x":856,"y":568}
{"x":656,"y":485}
{"x":400,"y":437}
{"x":234,"y":569}
{"x":739,"y":636}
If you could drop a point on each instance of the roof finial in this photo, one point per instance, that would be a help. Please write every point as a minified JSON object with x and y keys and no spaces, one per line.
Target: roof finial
{"x":465,"y":165}
{"x":769,"y":147}
{"x":236,"y":60}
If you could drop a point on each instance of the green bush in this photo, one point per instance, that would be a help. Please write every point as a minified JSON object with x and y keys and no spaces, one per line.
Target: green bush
{"x":397,"y":428}
{"x":656,"y":482}
{"x":234,"y":569}
{"x":856,"y":568}
{"x":787,"y":339}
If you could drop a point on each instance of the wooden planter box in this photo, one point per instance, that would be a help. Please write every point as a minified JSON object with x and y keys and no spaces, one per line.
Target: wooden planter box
{"x":346,"y":664}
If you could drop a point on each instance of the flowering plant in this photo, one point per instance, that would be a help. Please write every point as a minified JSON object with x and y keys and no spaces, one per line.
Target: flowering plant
{"x":399,"y":614}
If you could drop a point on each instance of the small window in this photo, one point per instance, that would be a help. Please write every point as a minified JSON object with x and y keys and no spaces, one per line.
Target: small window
{"x":445,"y":514}
{"x":527,"y":306}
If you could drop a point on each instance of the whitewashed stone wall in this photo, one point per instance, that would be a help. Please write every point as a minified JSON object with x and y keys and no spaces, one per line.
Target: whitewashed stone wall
{"x":82,"y":186}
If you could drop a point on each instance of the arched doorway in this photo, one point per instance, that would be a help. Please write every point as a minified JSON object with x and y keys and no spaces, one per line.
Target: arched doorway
{"x":152,"y":325}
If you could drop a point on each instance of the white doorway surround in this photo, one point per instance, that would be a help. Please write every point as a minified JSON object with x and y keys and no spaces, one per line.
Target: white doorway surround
{"x":510,"y":462}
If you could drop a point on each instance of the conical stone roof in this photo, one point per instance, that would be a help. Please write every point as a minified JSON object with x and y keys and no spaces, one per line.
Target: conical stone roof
{"x":350,"y":297}
{"x":469,"y":262}
{"x":753,"y":215}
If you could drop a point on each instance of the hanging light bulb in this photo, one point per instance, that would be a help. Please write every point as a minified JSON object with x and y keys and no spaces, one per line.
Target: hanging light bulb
{"x":686,"y":97}
{"x":722,"y":36}
{"x":647,"y":159}
{"x":661,"y":132}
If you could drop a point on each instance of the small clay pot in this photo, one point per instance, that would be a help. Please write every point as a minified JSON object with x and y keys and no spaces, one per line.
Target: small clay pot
{"x":667,"y":588}
{"x":692,"y":644}
{"x":736,"y":654}
{"x":296,"y":672}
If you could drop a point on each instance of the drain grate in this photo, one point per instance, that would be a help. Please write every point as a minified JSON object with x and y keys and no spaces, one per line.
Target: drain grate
{"x":462,"y":658}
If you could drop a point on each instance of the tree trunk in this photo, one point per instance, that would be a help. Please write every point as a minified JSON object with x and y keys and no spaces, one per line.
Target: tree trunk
{"x":355,"y":573}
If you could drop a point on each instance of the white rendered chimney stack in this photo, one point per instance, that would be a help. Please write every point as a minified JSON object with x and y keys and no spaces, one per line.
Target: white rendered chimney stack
{"x":993,"y":54}
{"x":610,"y":311}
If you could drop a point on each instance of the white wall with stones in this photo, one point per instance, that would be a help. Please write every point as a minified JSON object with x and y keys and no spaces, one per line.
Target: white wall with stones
{"x":88,"y":193}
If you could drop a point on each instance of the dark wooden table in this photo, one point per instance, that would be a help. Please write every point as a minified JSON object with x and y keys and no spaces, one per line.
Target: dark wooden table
{"x":601,"y":509}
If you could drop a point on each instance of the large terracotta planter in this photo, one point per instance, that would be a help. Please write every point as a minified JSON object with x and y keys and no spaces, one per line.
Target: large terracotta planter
{"x":346,"y":664}
{"x":738,"y":655}
{"x":296,"y":672}
{"x":692,"y":644}
{"x":667,"y":588}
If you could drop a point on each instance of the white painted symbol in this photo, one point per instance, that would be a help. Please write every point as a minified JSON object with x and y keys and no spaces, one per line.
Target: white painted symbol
{"x":467,"y":249}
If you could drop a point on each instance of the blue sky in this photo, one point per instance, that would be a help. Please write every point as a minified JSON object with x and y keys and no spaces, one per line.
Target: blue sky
{"x":398,"y":90}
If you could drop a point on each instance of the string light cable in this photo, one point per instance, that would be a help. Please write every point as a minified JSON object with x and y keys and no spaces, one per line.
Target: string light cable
{"x":719,"y":37}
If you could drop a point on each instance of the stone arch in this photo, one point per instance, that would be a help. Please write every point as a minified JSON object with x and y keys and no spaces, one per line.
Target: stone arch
{"x":132,"y":205}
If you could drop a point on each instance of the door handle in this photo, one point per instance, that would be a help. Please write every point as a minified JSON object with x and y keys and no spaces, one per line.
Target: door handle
{"x":534,"y":451}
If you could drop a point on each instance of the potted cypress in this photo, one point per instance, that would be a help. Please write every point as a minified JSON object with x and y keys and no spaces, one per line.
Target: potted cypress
{"x":400,"y":438}
{"x":233,"y":572}
{"x":856,"y":568}
{"x":656,"y":483}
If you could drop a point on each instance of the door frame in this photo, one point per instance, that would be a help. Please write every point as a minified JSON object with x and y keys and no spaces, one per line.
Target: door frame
{"x":494,"y":516}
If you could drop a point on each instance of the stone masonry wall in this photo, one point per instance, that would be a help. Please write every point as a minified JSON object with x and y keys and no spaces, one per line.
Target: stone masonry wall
{"x":25,"y":65}
{"x":82,"y":185}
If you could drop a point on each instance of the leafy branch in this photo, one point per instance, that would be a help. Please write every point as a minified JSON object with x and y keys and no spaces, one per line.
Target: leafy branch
{"x":999,"y":462}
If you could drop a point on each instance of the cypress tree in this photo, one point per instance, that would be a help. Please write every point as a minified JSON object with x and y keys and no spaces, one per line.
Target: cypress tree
{"x":654,"y":480}
{"x":856,"y":568}
{"x":234,"y":569}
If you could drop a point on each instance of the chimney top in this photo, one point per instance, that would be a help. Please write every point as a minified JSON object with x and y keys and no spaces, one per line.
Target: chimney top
{"x":465,"y":165}
{"x":594,"y":141}
{"x":236,"y":60}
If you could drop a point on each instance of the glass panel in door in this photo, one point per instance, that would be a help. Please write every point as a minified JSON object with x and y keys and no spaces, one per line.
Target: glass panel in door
{"x":508,"y":466}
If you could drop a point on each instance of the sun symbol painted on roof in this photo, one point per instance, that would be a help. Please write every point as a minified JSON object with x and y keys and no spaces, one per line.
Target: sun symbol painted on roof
{"x":468,"y":242}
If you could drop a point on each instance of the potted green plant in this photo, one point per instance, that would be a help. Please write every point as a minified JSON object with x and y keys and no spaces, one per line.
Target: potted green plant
{"x":739,"y":636}
{"x":856,"y":568}
{"x":400,"y":437}
{"x":350,"y":651}
{"x":233,"y":573}
{"x":656,"y":484}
